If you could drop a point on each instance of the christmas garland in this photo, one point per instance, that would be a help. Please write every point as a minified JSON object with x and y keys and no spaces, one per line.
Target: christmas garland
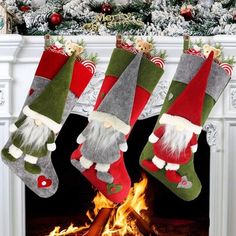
{"x":139,"y":17}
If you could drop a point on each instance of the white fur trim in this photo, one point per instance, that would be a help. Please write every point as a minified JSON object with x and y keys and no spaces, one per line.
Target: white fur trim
{"x":13,"y":128}
{"x":80,"y":139}
{"x":106,"y":117}
{"x":102,"y":167}
{"x":85,"y":162}
{"x":178,"y":120}
{"x":153,"y":138}
{"x":123,"y":147}
{"x":51,"y":147}
{"x":51,"y":124}
{"x":171,"y":166}
{"x":158,"y":162}
{"x":15,"y":151}
{"x":194,"y":148}
{"x":31,"y":159}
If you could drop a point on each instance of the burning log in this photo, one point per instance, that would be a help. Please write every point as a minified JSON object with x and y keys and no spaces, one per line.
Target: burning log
{"x":141,"y":224}
{"x":99,"y":222}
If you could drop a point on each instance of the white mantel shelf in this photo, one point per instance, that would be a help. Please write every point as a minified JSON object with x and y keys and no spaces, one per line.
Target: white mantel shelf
{"x":19,"y":56}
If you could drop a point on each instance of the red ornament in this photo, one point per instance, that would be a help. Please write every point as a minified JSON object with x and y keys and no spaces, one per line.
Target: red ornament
{"x":24,"y":8}
{"x":234,"y":16}
{"x":187,"y":12}
{"x":55,"y":19}
{"x":106,"y":8}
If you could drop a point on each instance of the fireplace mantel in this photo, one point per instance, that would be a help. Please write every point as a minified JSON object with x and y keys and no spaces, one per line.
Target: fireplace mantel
{"x":19,"y":56}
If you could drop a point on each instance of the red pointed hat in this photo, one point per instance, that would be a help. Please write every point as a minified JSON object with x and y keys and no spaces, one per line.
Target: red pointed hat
{"x":186,"y":110}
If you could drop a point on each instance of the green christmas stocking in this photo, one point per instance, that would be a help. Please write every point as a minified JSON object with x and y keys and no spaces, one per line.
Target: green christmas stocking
{"x":168,"y":155}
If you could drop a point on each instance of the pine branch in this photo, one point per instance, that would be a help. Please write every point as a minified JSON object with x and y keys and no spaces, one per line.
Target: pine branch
{"x":198,"y":42}
{"x":229,"y":3}
{"x":93,"y":57}
{"x":229,"y":60}
{"x":120,"y":28}
{"x":137,"y":6}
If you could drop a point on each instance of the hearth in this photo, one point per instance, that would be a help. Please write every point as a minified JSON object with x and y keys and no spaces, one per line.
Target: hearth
{"x":77,"y":203}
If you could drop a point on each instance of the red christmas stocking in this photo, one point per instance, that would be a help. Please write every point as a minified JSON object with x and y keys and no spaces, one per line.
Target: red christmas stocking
{"x":113,"y":180}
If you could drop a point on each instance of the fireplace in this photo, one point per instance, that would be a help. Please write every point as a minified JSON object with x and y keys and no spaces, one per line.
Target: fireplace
{"x":19,"y":53}
{"x":159,"y":209}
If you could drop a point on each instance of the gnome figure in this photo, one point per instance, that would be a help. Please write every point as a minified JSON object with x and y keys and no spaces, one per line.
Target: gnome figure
{"x":34,"y":133}
{"x":176,"y":138}
{"x":104,"y":137}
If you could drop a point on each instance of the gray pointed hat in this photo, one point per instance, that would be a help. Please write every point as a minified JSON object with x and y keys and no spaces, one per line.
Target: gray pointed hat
{"x":117,"y":105}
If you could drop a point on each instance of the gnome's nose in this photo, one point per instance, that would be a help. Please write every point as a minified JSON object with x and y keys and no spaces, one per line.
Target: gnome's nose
{"x":38,"y":122}
{"x":180,"y":127}
{"x":107,"y":124}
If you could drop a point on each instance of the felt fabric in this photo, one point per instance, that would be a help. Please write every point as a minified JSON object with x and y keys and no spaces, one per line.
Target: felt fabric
{"x":42,"y":178}
{"x":165,"y":155}
{"x":109,"y":156}
{"x":117,"y":105}
{"x":17,"y":140}
{"x":118,"y":190}
{"x":215,"y":83}
{"x":51,"y":102}
{"x":115,"y":109}
{"x":121,"y":58}
{"x":176,"y":88}
{"x":56,"y":60}
{"x":186,"y":109}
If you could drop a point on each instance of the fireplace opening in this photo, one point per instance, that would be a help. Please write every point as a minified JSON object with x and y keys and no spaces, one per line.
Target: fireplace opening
{"x":167,"y":213}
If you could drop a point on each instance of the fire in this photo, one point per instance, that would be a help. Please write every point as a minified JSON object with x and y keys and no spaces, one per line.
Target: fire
{"x":120,"y":223}
{"x":71,"y":229}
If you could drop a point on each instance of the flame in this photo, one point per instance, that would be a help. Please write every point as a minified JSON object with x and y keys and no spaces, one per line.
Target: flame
{"x":119,"y":223}
{"x":70,"y":230}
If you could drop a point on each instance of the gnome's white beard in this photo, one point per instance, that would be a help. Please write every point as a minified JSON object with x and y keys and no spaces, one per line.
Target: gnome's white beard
{"x":33,"y":135}
{"x":174,"y":140}
{"x":102,"y":137}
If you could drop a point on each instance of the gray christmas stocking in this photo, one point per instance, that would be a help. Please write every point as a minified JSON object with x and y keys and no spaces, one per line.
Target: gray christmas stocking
{"x":52,"y":96}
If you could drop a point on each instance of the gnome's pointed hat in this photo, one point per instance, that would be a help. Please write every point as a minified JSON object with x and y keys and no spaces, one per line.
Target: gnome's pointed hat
{"x":186,"y":110}
{"x":117,"y":105}
{"x":48,"y":107}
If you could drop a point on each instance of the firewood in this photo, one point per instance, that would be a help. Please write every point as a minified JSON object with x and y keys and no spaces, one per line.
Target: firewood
{"x":141,"y":224}
{"x":99,"y":222}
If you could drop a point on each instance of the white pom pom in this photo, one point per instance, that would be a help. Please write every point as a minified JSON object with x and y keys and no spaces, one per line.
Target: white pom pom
{"x":80,"y":139}
{"x":123,"y":147}
{"x":153,"y":138}
{"x":51,"y":147}
{"x":194,"y":148}
{"x":13,"y":128}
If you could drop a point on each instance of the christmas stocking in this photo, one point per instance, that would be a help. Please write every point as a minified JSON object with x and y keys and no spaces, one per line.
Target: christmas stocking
{"x":168,"y":156}
{"x":124,"y":93}
{"x":53,"y":94}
